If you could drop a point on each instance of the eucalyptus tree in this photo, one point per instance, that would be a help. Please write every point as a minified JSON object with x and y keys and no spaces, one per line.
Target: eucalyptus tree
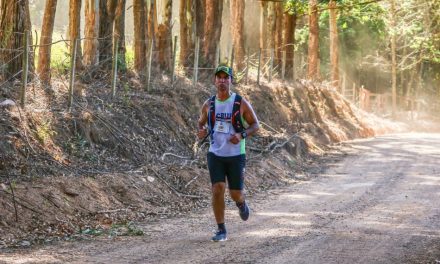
{"x":14,"y":22}
{"x":293,"y":10}
{"x":74,"y":31}
{"x":237,"y":8}
{"x":91,"y":14}
{"x":44,"y":53}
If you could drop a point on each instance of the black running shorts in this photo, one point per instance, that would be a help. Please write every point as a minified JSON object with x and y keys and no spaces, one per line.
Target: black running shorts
{"x":231,"y":168}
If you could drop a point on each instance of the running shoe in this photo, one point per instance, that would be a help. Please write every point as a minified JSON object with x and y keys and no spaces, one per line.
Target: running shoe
{"x":243,"y":210}
{"x":219,"y":236}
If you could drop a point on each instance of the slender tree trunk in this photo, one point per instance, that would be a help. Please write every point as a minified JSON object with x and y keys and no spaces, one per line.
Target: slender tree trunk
{"x":165,"y":42}
{"x":186,"y":16}
{"x":199,"y":9}
{"x":213,"y":27}
{"x":46,"y":39}
{"x":91,"y":32}
{"x":334,"y":45}
{"x":74,"y":29}
{"x":139,"y":35}
{"x":237,"y":27}
{"x":120,"y":32}
{"x":14,"y":21}
{"x":393,"y":57}
{"x":278,"y":31}
{"x":263,"y":24}
{"x":107,"y":9}
{"x":271,"y":30}
{"x":313,"y":51}
{"x":152,"y":21}
{"x":289,"y":41}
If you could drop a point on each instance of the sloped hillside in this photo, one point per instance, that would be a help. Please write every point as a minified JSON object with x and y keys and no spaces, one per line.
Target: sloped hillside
{"x":111,"y":161}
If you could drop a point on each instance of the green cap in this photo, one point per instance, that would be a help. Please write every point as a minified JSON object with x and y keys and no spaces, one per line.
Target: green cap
{"x":225,"y":69}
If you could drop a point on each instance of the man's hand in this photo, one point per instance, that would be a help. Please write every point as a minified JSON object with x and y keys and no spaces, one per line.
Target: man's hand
{"x":235,"y":139}
{"x":202,"y":133}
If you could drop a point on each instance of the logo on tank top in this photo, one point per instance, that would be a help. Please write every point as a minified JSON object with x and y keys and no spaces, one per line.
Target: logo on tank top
{"x":223,"y":116}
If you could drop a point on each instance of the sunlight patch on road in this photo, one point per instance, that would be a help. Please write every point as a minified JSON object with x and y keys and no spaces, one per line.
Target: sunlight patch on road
{"x":298,"y":196}
{"x":284,"y":214}
{"x":322,"y":194}
{"x":275,"y":232}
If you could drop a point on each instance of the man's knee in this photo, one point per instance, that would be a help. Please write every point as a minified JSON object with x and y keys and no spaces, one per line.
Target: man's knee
{"x":237,"y":195}
{"x":218,"y":188}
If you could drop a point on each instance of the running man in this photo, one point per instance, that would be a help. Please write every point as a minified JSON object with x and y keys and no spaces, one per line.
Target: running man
{"x":229,"y":119}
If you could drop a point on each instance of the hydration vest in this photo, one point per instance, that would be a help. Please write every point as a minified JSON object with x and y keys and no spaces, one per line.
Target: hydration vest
{"x":236,"y":121}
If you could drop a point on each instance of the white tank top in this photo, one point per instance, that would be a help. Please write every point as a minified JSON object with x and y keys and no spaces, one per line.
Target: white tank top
{"x":223,"y":130}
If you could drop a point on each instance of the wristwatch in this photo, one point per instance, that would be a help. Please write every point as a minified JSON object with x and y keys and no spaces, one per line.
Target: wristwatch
{"x":243,"y":134}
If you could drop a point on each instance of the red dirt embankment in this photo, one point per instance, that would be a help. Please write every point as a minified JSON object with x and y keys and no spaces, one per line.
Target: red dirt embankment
{"x":108,"y":162}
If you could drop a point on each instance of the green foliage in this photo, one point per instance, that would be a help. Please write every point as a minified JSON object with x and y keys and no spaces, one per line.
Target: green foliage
{"x":44,"y":131}
{"x":297,"y":7}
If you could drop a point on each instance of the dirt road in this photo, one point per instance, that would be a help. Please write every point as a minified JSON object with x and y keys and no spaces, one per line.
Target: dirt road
{"x":379,"y":204}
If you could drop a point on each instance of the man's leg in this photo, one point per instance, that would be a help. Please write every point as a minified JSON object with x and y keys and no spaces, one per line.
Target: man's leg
{"x":237,"y":196}
{"x":235,"y":175}
{"x":218,"y":201}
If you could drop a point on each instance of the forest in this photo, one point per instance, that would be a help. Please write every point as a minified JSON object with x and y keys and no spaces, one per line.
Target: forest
{"x":385,"y":47}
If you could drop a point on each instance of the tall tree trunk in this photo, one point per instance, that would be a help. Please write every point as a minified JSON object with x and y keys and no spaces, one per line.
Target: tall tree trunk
{"x":313,"y":50}
{"x":91,"y":32}
{"x":270,"y":37}
{"x":74,"y":30}
{"x":289,"y":41}
{"x":139,"y":35}
{"x":46,"y":39}
{"x":237,"y":27}
{"x":120,"y":33}
{"x":186,"y":15}
{"x":14,"y":21}
{"x":263,"y":24}
{"x":199,"y":9}
{"x":152,"y":21}
{"x":334,"y":45}
{"x":213,"y":28}
{"x":165,"y":42}
{"x":393,"y":57}
{"x":278,"y":31}
{"x":107,"y":9}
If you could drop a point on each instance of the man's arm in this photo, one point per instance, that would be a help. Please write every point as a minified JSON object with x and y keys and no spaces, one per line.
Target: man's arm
{"x":251,"y":119}
{"x":203,"y":119}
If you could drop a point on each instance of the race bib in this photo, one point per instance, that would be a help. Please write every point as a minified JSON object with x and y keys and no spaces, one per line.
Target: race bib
{"x":221,"y":127}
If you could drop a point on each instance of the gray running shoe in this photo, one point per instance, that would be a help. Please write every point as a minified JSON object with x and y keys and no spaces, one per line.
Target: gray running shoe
{"x":244,"y":211}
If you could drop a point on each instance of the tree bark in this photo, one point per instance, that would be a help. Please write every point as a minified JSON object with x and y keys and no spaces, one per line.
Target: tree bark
{"x":107,"y":9}
{"x":213,"y":27}
{"x":139,"y":35}
{"x":152,"y":21}
{"x":278,"y":31}
{"x":289,"y":41}
{"x":237,"y":29}
{"x":74,"y":30}
{"x":91,"y":32}
{"x":44,"y":53}
{"x":120,"y":33}
{"x":199,"y":9}
{"x":334,"y":45}
{"x":14,"y":21}
{"x":313,"y":50}
{"x":263,"y":25}
{"x":270,"y":38}
{"x":165,"y":42}
{"x":186,"y":16}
